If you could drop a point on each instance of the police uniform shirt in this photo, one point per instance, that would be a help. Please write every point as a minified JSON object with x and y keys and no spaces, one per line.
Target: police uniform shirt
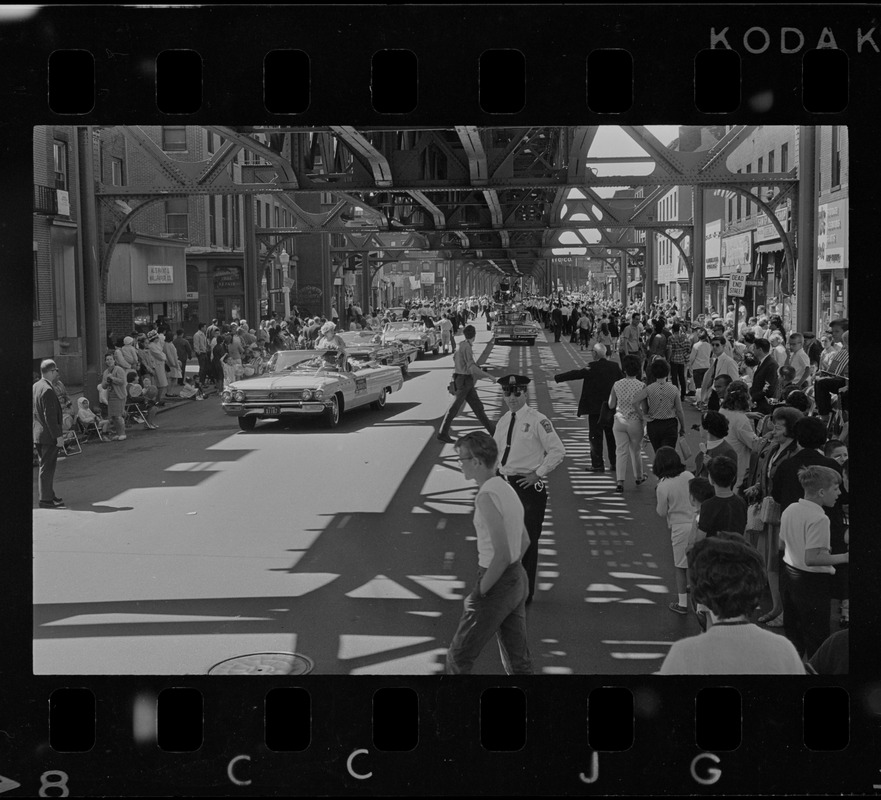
{"x":535,"y":445}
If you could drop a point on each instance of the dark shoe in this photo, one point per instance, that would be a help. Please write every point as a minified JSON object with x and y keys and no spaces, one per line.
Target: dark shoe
{"x":444,"y":438}
{"x":641,"y":480}
{"x":678,"y":609}
{"x":57,"y":500}
{"x":619,"y":489}
{"x":597,"y":469}
{"x":52,"y":504}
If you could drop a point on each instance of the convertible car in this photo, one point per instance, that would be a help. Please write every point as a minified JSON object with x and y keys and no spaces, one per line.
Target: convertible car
{"x":412,"y":333}
{"x":310,"y":382}
{"x":515,"y":326}
{"x":368,"y":345}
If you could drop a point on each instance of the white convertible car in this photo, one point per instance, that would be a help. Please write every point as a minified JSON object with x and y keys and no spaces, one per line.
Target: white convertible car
{"x":310,"y":382}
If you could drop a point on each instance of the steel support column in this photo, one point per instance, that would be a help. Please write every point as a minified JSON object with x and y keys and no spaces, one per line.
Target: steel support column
{"x":649,"y":286}
{"x":699,"y":272}
{"x":253,"y":277}
{"x":366,"y":281}
{"x":808,"y":192}
{"x":622,"y":272}
{"x":93,"y":308}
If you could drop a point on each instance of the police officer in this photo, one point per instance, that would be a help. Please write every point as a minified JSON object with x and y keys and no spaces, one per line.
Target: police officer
{"x":529,"y":449}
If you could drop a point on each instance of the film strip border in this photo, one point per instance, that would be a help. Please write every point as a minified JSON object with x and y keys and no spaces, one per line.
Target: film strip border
{"x":554,"y":63}
{"x":490,"y":65}
{"x":234,"y":737}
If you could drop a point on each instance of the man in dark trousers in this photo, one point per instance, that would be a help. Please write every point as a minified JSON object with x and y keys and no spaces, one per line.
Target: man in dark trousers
{"x":557,"y":321}
{"x":597,"y":379}
{"x":529,"y":449}
{"x":764,"y":383}
{"x":48,"y":432}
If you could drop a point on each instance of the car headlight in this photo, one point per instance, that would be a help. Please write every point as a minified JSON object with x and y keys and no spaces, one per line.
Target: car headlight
{"x":225,"y":396}
{"x":307,"y":394}
{"x":239,"y":397}
{"x":318,"y":394}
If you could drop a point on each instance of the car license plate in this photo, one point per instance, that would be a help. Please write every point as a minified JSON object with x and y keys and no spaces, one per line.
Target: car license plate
{"x":271,"y":411}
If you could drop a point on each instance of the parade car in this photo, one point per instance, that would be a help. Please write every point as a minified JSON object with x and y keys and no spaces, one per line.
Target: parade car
{"x":515,"y":326}
{"x":412,"y":333}
{"x":368,"y":345}
{"x":323,"y":383}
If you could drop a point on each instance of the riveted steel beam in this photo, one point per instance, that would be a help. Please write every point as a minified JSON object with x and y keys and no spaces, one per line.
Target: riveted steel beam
{"x":382,"y":171}
{"x":477,"y":166}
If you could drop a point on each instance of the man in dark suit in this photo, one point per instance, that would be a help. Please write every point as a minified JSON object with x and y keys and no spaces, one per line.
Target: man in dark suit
{"x":764,"y":383}
{"x":48,"y":432}
{"x":597,"y":379}
{"x":557,"y":321}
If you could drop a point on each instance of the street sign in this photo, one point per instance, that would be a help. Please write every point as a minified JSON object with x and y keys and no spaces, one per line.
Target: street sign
{"x":736,"y":285}
{"x":755,"y":283}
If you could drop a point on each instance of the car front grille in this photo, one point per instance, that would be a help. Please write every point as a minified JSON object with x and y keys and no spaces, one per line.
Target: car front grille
{"x":274,"y":395}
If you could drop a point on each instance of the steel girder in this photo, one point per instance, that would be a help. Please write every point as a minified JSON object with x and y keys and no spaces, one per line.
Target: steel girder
{"x":465,"y":181}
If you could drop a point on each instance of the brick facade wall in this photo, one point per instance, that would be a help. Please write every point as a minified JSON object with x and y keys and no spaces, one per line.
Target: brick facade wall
{"x":828,"y":192}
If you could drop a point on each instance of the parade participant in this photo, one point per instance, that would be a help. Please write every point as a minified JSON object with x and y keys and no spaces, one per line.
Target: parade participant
{"x":597,"y":378}
{"x":465,"y":374}
{"x":674,"y":504}
{"x":530,"y":449}
{"x":497,"y":604}
{"x":727,"y":577}
{"x":628,"y":425}
{"x":446,"y":329}
{"x":808,"y":562}
{"x":557,"y":321}
{"x":330,"y":339}
{"x":48,"y":432}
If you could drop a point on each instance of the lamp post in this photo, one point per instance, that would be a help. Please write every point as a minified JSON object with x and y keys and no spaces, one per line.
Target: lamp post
{"x":285,"y":260}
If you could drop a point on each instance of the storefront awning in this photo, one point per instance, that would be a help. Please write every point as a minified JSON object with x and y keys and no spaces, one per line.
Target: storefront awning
{"x":773,"y":247}
{"x":633,"y":283}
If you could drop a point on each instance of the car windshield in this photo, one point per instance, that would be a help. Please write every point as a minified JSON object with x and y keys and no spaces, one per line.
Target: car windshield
{"x":400,"y":326}
{"x":360,"y":337}
{"x":285,"y":360}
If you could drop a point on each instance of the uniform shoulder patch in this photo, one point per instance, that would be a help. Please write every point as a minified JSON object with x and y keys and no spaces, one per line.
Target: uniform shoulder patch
{"x":547,"y":426}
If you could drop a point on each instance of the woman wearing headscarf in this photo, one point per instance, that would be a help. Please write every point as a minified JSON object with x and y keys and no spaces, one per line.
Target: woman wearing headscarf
{"x":127,"y":355}
{"x":156,"y":346}
{"x":330,"y":339}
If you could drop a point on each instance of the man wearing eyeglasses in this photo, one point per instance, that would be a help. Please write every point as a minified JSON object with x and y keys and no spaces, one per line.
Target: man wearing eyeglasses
{"x":530,"y":449}
{"x":723,"y":364}
{"x":48,"y":432}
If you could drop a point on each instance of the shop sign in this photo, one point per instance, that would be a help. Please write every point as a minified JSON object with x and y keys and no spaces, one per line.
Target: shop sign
{"x":427,"y":278}
{"x":765,"y":230}
{"x":737,"y":253}
{"x":192,"y":296}
{"x":157,"y":273}
{"x":228,"y":279}
{"x":832,"y":235}
{"x":712,"y":248}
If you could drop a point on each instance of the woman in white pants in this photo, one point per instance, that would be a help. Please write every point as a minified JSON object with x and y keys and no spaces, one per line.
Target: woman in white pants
{"x":628,"y":425}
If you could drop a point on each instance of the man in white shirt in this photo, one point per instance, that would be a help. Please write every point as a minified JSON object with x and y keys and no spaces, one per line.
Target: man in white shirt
{"x":530,"y":449}
{"x":200,"y":346}
{"x":465,"y":374}
{"x":497,"y":604}
{"x":723,"y":364}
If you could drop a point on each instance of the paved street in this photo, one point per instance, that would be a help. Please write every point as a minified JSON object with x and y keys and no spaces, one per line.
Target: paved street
{"x":197,"y":542}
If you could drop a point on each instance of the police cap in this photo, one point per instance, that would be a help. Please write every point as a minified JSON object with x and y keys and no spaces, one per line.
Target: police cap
{"x":513,"y":381}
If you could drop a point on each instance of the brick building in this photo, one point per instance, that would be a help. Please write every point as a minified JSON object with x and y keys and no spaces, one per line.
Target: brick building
{"x":831,"y":279}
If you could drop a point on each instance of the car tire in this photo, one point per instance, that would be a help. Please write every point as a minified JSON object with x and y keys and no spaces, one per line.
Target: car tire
{"x":379,"y":403}
{"x":247,"y":423}
{"x":331,"y":415}
{"x":419,"y":354}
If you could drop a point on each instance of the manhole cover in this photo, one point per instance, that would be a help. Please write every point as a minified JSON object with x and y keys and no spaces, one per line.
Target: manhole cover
{"x":264,"y":664}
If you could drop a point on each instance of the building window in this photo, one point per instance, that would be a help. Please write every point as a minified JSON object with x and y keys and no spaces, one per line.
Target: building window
{"x":59,"y":152}
{"x":259,"y":214}
{"x":224,"y":220}
{"x":177,"y":217}
{"x":773,"y":189}
{"x":836,"y":155}
{"x":212,"y":219}
{"x":739,"y":200}
{"x":174,"y":137}
{"x":277,"y":217}
{"x":730,"y":209}
{"x":784,"y":157}
{"x":749,"y":205}
{"x":117,"y":176}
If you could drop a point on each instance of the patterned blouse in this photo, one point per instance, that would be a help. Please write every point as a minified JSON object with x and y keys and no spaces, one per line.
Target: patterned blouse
{"x":625,"y":390}
{"x":661,"y":396}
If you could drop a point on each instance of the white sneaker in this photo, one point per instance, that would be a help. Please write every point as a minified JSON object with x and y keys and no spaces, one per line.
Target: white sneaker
{"x":120,"y":438}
